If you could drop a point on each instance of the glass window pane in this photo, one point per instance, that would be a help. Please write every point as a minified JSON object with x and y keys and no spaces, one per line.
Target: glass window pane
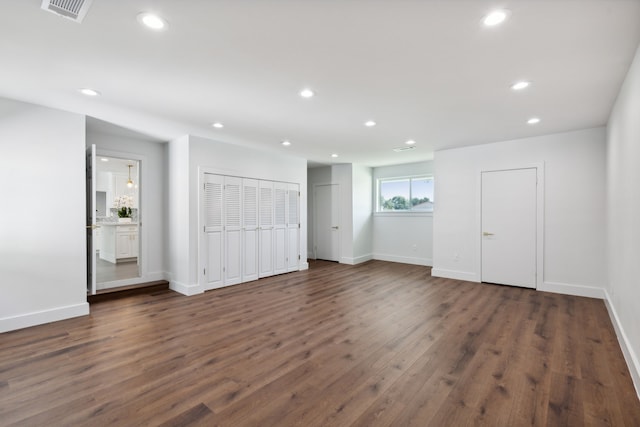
{"x":422,"y":194}
{"x":394,"y":195}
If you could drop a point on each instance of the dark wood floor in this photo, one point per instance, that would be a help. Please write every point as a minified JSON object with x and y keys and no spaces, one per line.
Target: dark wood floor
{"x":376,"y":344}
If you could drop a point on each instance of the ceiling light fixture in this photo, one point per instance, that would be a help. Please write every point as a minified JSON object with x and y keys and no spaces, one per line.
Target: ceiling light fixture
{"x":306,"y":93}
{"x":129,"y":181}
{"x":410,"y":142}
{"x":370,"y":123}
{"x":495,"y":18}
{"x":334,"y":155}
{"x":520,"y":85}
{"x":533,"y":120}
{"x":152,"y":21}
{"x":89,"y":92}
{"x":286,"y":143}
{"x":218,"y":125}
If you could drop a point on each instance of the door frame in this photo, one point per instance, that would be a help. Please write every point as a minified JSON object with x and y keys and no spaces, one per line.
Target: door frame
{"x":143,"y":276}
{"x":539,"y":167}
{"x":315,"y":220}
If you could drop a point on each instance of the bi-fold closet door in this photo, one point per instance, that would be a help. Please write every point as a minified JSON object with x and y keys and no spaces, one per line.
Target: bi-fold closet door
{"x":252,"y":229}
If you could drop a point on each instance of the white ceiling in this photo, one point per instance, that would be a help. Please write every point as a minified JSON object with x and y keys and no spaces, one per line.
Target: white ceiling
{"x":426,"y":70}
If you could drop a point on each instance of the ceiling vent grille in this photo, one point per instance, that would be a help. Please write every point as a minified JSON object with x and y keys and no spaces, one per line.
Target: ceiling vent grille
{"x":70,"y":9}
{"x":400,"y":149}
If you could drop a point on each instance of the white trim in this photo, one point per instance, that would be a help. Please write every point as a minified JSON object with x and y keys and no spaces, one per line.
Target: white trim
{"x":356,"y":260}
{"x":404,"y":259}
{"x":42,"y":317}
{"x":572,"y":289}
{"x":304,"y":266}
{"x":455,"y":274}
{"x":633,"y":363}
{"x":404,"y":213}
{"x":187,"y":290}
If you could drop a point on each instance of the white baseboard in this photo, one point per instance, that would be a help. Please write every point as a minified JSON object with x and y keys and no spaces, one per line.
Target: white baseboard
{"x":404,"y":259}
{"x":356,"y":260}
{"x":576,"y":290}
{"x":183,"y":289}
{"x":455,"y":274}
{"x":630,"y":356}
{"x":45,"y":316}
{"x":304,"y":266}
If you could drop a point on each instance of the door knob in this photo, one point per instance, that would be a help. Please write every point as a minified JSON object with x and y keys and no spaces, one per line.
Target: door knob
{"x":484,"y":233}
{"x":335,"y":227}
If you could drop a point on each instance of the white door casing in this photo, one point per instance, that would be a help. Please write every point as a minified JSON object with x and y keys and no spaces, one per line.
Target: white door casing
{"x":509,"y":227}
{"x":327,"y":230}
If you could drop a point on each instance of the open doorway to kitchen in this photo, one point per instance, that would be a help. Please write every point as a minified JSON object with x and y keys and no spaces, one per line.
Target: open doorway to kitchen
{"x":118,"y":220}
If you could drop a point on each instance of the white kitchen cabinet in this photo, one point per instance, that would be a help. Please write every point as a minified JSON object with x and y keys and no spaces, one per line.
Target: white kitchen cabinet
{"x":118,"y":241}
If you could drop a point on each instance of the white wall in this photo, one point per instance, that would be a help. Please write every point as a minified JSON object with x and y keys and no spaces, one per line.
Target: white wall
{"x":623,"y":217}
{"x":362,"y":196}
{"x":574,"y":211}
{"x":191,"y":155}
{"x":42,"y":225}
{"x":403,"y":237}
{"x":153,"y":191}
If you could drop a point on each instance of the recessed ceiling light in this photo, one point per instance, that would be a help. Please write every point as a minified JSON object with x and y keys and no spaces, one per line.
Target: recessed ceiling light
{"x":533,"y":120}
{"x":306,"y":93}
{"x":89,"y":92}
{"x":520,"y":85}
{"x":370,"y":123}
{"x":334,"y":155}
{"x":286,"y":143}
{"x":410,"y":142}
{"x":495,"y":18}
{"x":104,"y":159}
{"x":218,"y":125}
{"x":152,"y":21}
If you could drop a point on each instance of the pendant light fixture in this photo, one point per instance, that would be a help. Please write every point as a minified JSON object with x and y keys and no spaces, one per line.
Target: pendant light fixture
{"x":129,"y":182}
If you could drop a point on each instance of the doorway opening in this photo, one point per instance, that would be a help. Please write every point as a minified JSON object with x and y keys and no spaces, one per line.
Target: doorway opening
{"x":117,"y":219}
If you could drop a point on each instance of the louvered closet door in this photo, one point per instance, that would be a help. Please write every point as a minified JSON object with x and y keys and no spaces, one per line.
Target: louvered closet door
{"x":266,"y":229}
{"x":293,"y":227}
{"x":249,"y":230}
{"x":280,"y":190}
{"x":232,"y":230}
{"x":213,"y":241}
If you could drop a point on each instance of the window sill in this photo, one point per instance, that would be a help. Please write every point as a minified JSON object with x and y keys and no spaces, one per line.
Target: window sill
{"x":404,"y":214}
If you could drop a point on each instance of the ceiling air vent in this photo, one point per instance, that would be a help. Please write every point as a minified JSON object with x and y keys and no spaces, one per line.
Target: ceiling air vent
{"x":70,"y":9}
{"x":399,"y":149}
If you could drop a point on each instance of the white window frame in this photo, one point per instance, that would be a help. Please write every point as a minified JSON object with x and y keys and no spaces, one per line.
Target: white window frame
{"x":409,"y":212}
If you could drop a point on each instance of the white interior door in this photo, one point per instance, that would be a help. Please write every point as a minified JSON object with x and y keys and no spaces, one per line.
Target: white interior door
{"x":266,"y":229}
{"x":509,"y":227}
{"x":327,"y":235}
{"x":249,"y":229}
{"x":91,"y":219}
{"x":280,"y":190}
{"x":232,"y":230}
{"x":213,"y":233}
{"x":293,"y":228}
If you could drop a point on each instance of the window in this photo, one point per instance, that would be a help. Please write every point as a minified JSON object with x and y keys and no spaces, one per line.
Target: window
{"x":411,"y":194}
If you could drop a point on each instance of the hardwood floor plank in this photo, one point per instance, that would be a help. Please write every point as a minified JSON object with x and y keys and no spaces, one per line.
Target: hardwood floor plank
{"x":376,"y":344}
